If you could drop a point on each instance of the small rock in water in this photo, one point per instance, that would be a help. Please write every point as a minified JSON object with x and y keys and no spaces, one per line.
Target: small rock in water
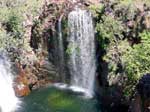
{"x":21,"y":90}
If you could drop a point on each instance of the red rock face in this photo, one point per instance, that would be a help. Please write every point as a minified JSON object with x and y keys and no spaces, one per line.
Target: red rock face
{"x":21,"y":86}
{"x":21,"y":83}
{"x":30,"y":78}
{"x":21,"y":90}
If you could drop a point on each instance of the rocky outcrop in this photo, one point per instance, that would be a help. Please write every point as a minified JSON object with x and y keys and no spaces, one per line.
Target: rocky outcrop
{"x":33,"y":77}
{"x":136,"y":104}
{"x":141,"y":101}
{"x":143,"y":88}
{"x":21,"y":90}
{"x":21,"y":84}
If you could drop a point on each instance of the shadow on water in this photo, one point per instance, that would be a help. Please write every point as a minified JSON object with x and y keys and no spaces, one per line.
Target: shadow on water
{"x":55,"y":100}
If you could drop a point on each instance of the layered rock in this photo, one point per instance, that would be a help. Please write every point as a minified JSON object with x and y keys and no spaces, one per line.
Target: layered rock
{"x":34,"y":77}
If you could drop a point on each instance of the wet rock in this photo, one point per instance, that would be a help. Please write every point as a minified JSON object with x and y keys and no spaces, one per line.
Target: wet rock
{"x":31,"y":77}
{"x":21,"y":87}
{"x":143,"y":86}
{"x":147,"y":105}
{"x":21,"y":90}
{"x":136,"y":104}
{"x":143,"y":89}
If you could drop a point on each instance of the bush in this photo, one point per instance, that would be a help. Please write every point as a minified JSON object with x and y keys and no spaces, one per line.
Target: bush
{"x":12,"y":28}
{"x":125,"y":45}
{"x":137,"y":62}
{"x":128,"y":63}
{"x":109,"y":30}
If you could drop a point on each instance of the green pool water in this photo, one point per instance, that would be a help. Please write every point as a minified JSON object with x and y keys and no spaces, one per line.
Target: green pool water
{"x":51,"y":99}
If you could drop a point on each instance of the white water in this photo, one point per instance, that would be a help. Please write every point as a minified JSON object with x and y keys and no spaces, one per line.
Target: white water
{"x":8,"y":100}
{"x":61,"y":50}
{"x":81,"y":41}
{"x":64,"y":86}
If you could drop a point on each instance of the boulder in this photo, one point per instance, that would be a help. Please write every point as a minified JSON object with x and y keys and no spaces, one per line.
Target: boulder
{"x":21,"y":90}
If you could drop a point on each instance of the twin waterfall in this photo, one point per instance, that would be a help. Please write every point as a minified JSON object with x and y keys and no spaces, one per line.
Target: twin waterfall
{"x":80,"y":51}
{"x":8,"y":100}
{"x":78,"y":63}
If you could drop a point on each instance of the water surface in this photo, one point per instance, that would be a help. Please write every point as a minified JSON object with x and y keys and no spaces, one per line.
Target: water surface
{"x":52,"y":99}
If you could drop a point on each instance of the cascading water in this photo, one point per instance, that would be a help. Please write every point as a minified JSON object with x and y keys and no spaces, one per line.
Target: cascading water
{"x":8,"y":100}
{"x":81,"y":64}
{"x":61,"y":50}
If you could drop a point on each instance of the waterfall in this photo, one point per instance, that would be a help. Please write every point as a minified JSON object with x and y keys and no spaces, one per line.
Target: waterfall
{"x":81,"y":47}
{"x":60,"y":51}
{"x":8,"y":100}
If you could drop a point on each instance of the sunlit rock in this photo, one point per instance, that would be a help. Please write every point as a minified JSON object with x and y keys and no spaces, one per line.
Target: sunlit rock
{"x":21,"y":90}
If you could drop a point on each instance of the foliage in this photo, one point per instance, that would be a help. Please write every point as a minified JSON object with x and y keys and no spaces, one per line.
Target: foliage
{"x":128,"y":64}
{"x":14,"y":25}
{"x":13,"y":14}
{"x":7,"y":41}
{"x":127,"y":9}
{"x":16,"y":48}
{"x":109,"y":29}
{"x":96,"y":10}
{"x":136,"y":61}
{"x":115,"y":65}
{"x":123,"y":41}
{"x":20,"y":6}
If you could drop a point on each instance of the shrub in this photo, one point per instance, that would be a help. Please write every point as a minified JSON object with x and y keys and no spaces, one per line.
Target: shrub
{"x":14,"y":25}
{"x":134,"y":62}
{"x":137,"y":62}
{"x":12,"y":29}
{"x":120,"y":31}
{"x":110,"y":29}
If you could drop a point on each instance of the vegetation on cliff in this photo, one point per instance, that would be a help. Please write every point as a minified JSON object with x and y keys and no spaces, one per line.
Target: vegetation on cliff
{"x":123,"y":33}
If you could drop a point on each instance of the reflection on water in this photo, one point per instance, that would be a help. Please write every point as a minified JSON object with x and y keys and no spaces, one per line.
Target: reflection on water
{"x":55,"y":100}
